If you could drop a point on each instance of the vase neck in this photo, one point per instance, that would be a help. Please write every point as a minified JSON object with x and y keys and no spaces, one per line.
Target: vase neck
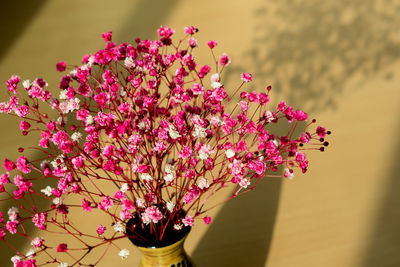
{"x":172,"y":255}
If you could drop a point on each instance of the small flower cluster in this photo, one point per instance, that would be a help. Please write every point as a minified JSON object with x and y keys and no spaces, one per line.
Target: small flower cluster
{"x":148,"y":123}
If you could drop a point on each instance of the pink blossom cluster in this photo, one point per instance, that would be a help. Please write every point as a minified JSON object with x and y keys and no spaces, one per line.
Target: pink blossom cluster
{"x":161,"y":131}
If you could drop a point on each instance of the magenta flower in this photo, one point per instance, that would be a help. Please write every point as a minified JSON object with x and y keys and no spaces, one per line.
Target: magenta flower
{"x":61,"y":66}
{"x":141,"y":133}
{"x":8,"y":165}
{"x":62,"y":247}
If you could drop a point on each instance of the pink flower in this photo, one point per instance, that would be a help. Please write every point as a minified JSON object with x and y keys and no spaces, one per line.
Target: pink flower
{"x":282,"y":106}
{"x":24,"y":125}
{"x":86,"y":205}
{"x":192,"y":42}
{"x":212,"y":44}
{"x":11,"y":226}
{"x":185,"y":152}
{"x":62,"y":247}
{"x":78,"y":162}
{"x":207,"y":220}
{"x":188,"y":198}
{"x":22,"y":111}
{"x":105,"y":203}
{"x":61,"y":66}
{"x":12,"y":83}
{"x":241,"y":146}
{"x":143,"y":169}
{"x":151,"y":214}
{"x":107,"y":36}
{"x":263,"y":98}
{"x":4,"y":178}
{"x":8,"y":165}
{"x":321,"y":132}
{"x":188,"y":220}
{"x":166,"y":32}
{"x":300,"y":115}
{"x":190,"y":30}
{"x":101,"y":229}
{"x":37,"y":242}
{"x":246,"y":77}
{"x":22,"y":164}
{"x":39,"y":219}
{"x":197,"y":89}
{"x":224,"y":60}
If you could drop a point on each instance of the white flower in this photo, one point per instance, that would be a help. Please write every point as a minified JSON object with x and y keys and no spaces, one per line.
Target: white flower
{"x":118,"y":227}
{"x":63,"y":94}
{"x":169,"y":168}
{"x":215,"y":77}
{"x":64,"y":264}
{"x":142,"y":125}
{"x":73,"y":72}
{"x":124,"y":187}
{"x":269,"y":116}
{"x":36,"y":241}
{"x":56,"y":201}
{"x":47,"y":191}
{"x":216,"y":121}
{"x":173,"y":132}
{"x":205,"y":151}
{"x":60,"y":120}
{"x":204,"y":183}
{"x":26,"y":83}
{"x":129,"y":62}
{"x":90,"y":61}
{"x":146,"y":177}
{"x":140,"y":202}
{"x":244,"y":182}
{"x":288,"y":174}
{"x":199,"y":132}
{"x":89,"y":120}
{"x":230,"y":153}
{"x":13,"y":213}
{"x":15,"y":259}
{"x":169,"y":177}
{"x":76,"y":136}
{"x":30,"y":252}
{"x":124,"y":253}
{"x":178,"y":226}
{"x":170,"y":206}
{"x":276,"y":142}
{"x":216,"y":85}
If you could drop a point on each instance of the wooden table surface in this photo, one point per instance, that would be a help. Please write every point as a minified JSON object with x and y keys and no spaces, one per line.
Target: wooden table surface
{"x":339,"y":59}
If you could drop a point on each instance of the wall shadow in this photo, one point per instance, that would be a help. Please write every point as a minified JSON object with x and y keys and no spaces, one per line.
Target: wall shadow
{"x":241,"y":233}
{"x":15,"y":17}
{"x":384,"y":244}
{"x":146,"y":18}
{"x":309,"y":50}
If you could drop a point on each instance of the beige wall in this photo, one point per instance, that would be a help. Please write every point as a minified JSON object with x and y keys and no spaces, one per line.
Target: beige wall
{"x":339,"y":59}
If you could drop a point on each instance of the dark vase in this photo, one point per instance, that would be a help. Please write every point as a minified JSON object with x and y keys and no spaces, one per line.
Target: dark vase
{"x":168,"y":252}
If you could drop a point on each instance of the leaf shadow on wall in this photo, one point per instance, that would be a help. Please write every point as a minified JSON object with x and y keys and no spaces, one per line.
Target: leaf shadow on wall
{"x":308,"y":51}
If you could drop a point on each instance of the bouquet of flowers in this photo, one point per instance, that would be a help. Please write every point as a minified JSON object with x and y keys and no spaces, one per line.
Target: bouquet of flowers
{"x":145,"y":136}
